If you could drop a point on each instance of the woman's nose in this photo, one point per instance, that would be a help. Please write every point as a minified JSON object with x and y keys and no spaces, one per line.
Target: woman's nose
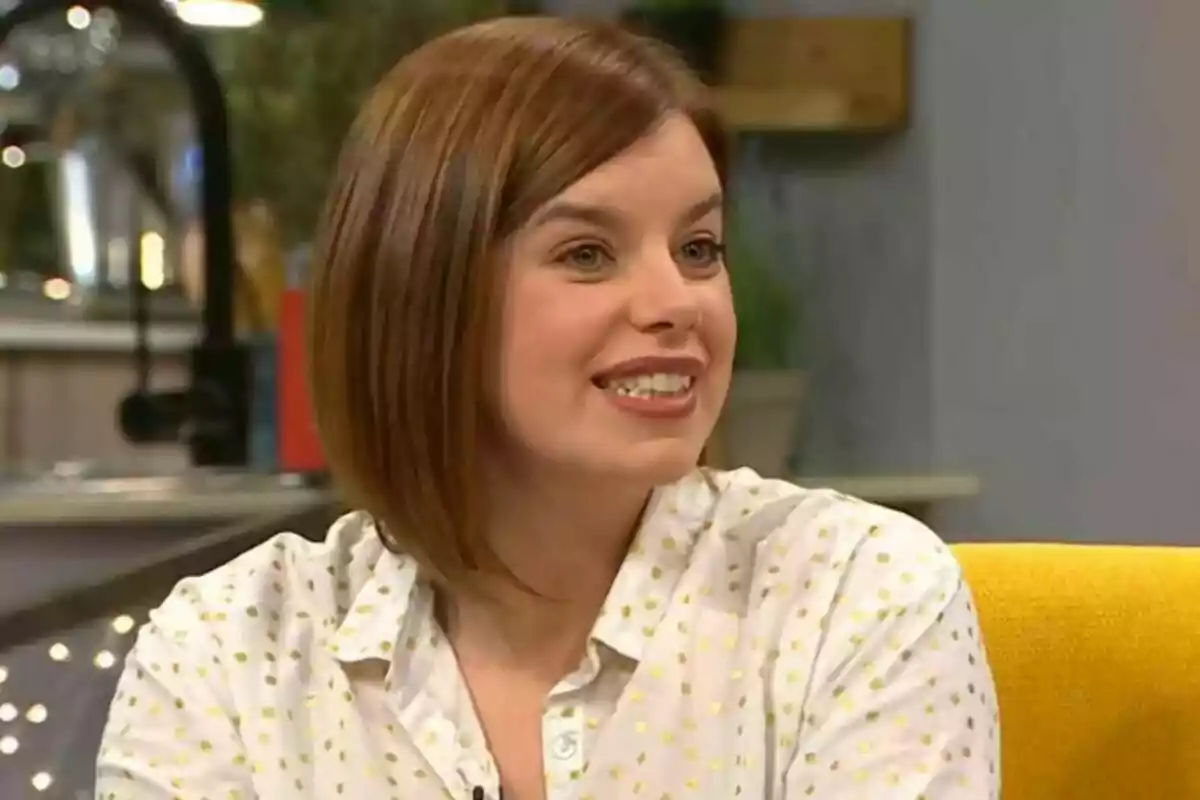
{"x":661,"y":296}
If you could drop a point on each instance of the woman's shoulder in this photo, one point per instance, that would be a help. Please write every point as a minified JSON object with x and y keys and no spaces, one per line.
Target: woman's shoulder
{"x":794,"y":529}
{"x":311,"y":579}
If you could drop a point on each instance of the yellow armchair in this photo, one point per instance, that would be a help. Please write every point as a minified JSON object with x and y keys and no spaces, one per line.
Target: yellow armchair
{"x":1096,"y":654}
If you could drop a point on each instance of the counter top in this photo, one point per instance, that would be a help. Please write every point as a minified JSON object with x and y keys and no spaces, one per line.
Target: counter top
{"x":91,"y":336}
{"x":143,"y":499}
{"x":72,"y":500}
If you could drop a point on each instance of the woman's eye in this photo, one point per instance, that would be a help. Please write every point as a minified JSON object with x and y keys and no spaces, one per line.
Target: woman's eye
{"x":586,"y":257}
{"x":702,"y":252}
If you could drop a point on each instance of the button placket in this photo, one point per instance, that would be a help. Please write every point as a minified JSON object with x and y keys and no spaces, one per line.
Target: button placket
{"x":562,"y":746}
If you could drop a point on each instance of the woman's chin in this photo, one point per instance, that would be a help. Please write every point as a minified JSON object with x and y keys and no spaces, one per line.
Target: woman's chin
{"x":614,"y":462}
{"x":654,"y":463}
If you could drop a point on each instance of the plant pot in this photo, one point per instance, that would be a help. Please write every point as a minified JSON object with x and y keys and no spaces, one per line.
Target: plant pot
{"x":760,"y":420}
{"x":696,"y":32}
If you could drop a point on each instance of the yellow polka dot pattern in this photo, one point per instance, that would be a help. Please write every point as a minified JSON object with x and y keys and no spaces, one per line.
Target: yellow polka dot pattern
{"x":760,"y":641}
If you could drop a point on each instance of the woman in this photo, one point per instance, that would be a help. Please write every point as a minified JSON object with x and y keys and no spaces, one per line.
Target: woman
{"x":522,"y":336}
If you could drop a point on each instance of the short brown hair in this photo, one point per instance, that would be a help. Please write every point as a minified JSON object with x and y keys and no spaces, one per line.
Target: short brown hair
{"x":454,"y":150}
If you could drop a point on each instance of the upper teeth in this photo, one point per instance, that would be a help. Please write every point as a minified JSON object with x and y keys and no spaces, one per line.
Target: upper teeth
{"x":657,"y":383}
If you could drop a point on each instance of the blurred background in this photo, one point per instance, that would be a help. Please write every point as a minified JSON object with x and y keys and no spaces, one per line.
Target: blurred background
{"x":965,"y":244}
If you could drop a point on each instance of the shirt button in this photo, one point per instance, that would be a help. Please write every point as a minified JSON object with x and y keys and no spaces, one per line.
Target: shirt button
{"x":564,"y":746}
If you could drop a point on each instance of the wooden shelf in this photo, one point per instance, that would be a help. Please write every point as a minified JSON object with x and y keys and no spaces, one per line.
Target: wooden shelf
{"x":817,"y":74}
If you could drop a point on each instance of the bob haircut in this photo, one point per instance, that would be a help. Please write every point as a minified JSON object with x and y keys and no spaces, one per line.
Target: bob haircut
{"x":453,"y":152}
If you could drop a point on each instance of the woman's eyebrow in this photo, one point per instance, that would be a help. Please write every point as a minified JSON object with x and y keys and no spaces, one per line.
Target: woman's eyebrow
{"x":608,"y":217}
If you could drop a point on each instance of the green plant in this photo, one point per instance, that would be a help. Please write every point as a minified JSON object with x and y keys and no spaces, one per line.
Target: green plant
{"x":295,"y":84}
{"x":765,"y":305}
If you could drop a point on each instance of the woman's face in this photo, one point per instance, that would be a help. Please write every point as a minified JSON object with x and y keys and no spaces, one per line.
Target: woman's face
{"x":618,"y":326}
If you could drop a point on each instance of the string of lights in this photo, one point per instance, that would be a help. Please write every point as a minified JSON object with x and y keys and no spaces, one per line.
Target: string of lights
{"x":48,"y":693}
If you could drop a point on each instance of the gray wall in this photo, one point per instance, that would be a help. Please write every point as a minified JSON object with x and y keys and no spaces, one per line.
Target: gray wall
{"x":1012,"y":287}
{"x":1065,"y":263}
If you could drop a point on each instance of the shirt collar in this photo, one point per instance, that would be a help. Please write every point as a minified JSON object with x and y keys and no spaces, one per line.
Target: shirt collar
{"x":661,"y":551}
{"x":675,"y":517}
{"x":376,"y":618}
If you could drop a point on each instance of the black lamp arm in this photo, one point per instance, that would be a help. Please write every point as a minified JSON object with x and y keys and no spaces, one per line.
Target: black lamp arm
{"x":212,"y":413}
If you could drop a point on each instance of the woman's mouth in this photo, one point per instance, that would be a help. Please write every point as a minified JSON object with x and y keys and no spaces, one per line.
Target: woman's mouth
{"x":656,"y":384}
{"x":660,"y":395}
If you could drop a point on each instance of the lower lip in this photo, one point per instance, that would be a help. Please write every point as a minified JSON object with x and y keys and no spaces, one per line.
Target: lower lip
{"x":657,"y":407}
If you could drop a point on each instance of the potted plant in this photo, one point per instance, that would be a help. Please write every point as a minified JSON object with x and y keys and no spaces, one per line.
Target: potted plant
{"x":695,"y":28}
{"x":294,"y":86}
{"x":762,"y":413}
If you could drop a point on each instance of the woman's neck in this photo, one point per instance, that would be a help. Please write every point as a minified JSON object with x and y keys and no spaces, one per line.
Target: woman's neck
{"x":565,"y":544}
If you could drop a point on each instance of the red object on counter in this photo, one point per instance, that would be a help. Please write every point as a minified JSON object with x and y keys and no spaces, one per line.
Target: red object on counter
{"x":299,"y":447}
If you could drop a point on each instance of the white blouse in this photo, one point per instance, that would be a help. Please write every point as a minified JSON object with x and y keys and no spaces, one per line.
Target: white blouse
{"x":761,"y":640}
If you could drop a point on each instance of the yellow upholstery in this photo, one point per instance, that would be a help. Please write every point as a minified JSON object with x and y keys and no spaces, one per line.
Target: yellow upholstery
{"x":1096,"y":653}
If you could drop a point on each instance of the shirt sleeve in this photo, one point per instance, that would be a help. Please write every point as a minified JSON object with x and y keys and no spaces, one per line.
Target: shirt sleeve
{"x":169,"y":734}
{"x":901,"y":705}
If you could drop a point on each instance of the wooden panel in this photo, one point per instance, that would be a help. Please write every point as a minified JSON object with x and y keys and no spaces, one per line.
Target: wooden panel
{"x":61,"y":406}
{"x":819,"y":74}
